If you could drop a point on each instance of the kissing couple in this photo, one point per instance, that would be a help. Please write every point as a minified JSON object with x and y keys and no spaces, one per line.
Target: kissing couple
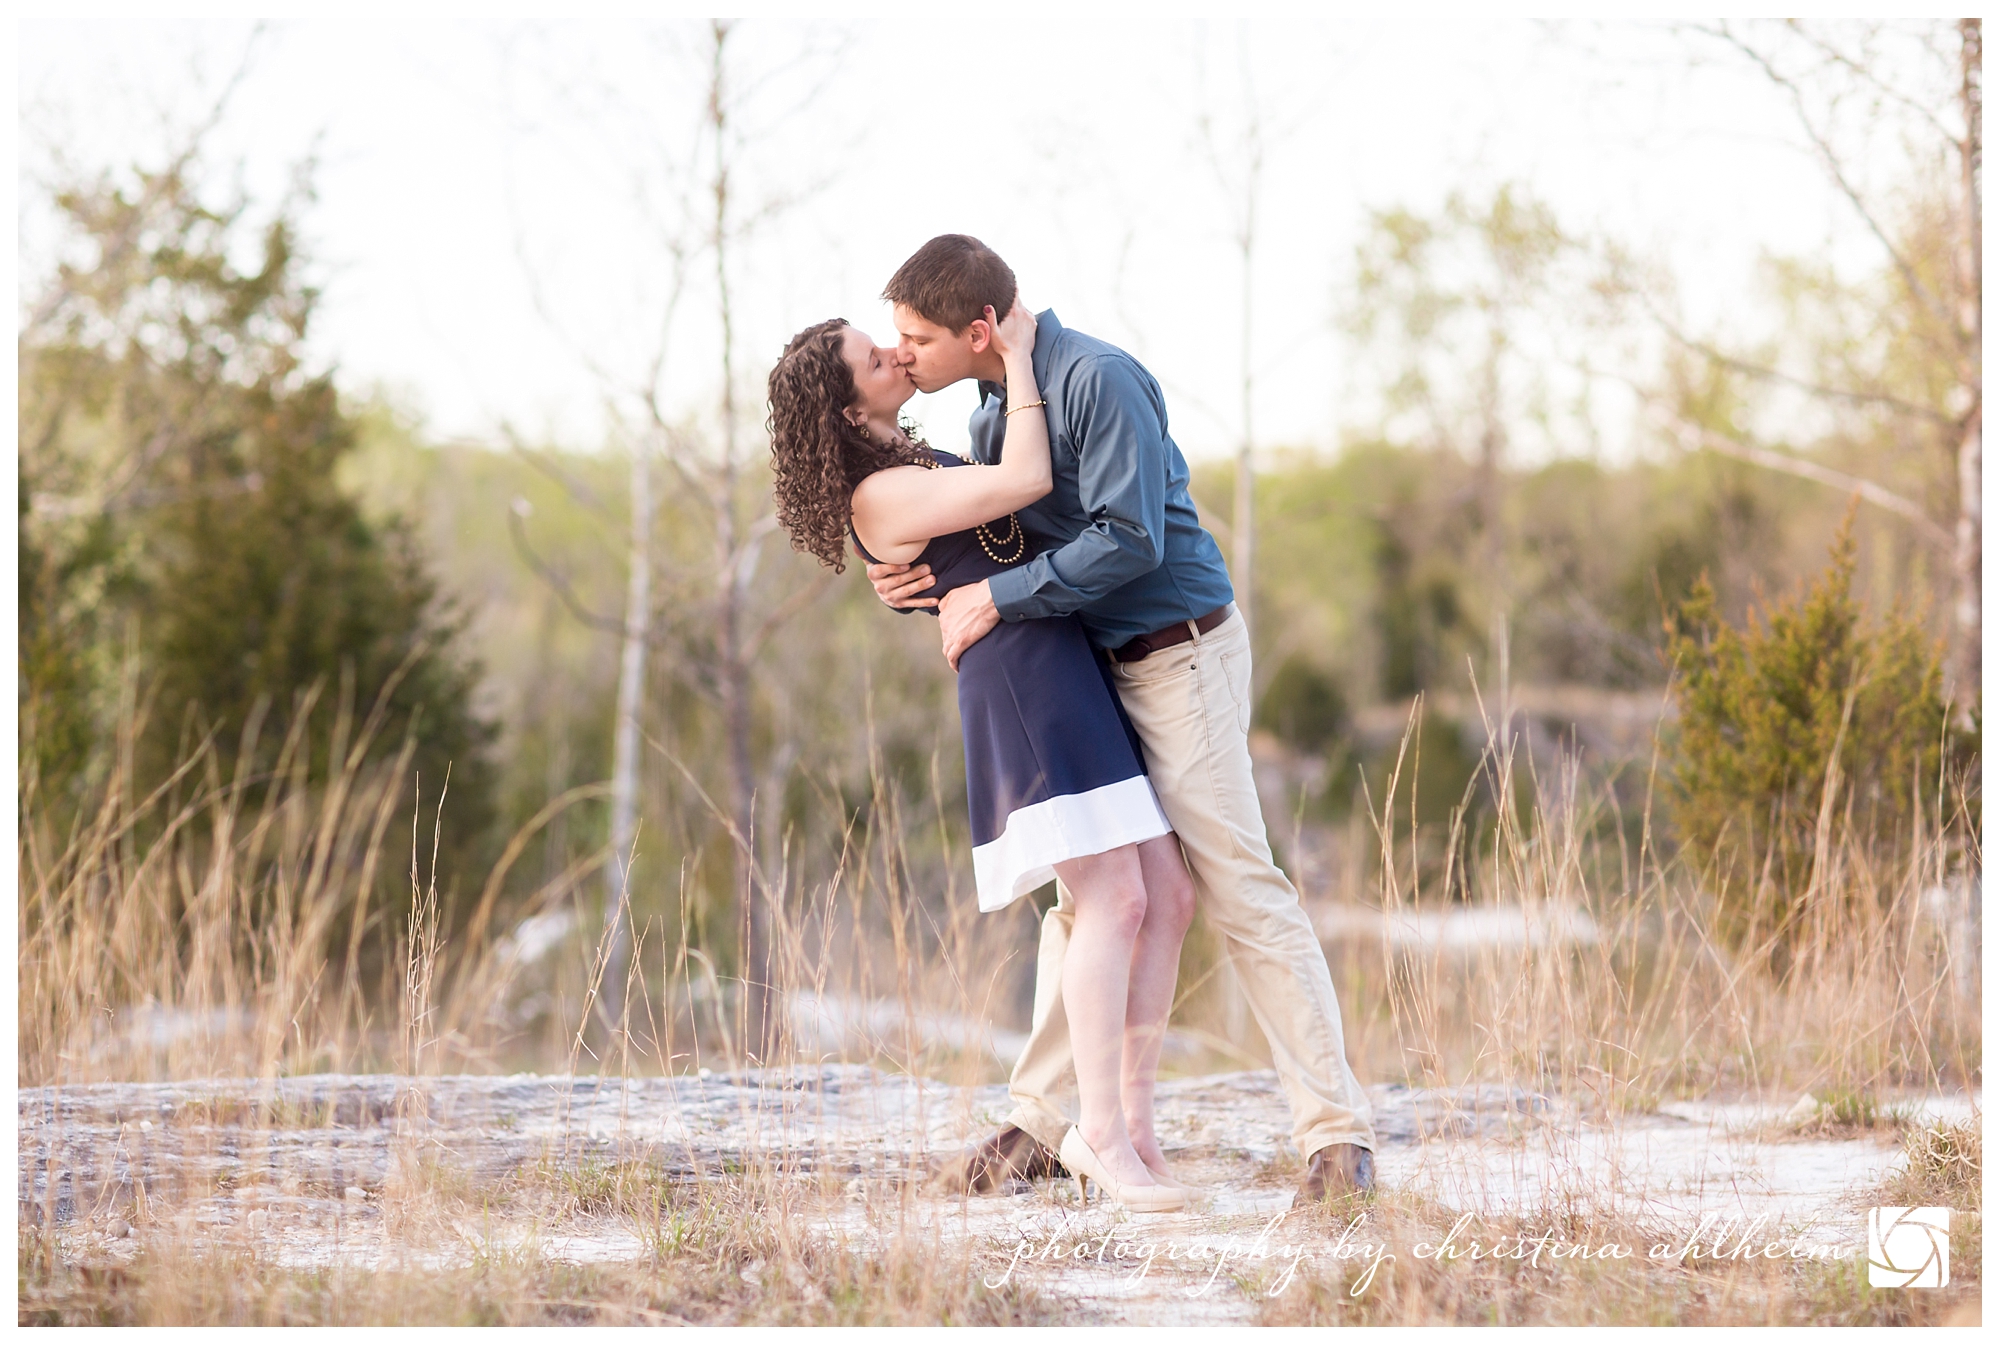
{"x":1104,"y":687}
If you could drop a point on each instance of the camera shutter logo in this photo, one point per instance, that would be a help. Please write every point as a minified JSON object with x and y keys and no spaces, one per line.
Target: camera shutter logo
{"x":1909,"y":1248}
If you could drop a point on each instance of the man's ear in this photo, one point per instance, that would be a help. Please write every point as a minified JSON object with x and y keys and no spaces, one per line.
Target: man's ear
{"x":981,"y":332}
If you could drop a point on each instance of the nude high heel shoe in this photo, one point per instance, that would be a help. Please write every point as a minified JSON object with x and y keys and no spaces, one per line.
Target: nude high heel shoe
{"x":1082,"y":1161}
{"x":1166,"y":1179}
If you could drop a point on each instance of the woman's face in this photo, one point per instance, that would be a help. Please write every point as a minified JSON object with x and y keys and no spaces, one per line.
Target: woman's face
{"x":881,"y":385}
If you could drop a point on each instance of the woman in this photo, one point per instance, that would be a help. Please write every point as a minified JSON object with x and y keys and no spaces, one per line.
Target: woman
{"x":1054,"y":772}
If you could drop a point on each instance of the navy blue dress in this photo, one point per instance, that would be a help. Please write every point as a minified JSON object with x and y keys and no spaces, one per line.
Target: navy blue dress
{"x":1053,"y":768}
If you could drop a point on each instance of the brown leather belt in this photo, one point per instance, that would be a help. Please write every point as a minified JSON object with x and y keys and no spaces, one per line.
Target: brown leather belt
{"x":1139,"y":646}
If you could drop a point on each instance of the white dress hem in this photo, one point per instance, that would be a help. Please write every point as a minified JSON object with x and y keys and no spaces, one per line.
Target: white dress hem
{"x":1040,"y":836}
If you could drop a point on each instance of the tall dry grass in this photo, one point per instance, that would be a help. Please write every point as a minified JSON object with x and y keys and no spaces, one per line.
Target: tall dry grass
{"x":1878,"y":991}
{"x":217,"y":926}
{"x":214,"y":926}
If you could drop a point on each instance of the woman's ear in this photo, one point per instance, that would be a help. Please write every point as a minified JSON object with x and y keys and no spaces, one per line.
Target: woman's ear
{"x":855,"y":417}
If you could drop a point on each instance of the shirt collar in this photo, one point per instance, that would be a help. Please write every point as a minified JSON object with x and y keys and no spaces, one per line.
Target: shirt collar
{"x":1047,"y":328}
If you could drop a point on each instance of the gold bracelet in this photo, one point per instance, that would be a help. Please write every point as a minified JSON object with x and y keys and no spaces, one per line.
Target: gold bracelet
{"x":1023,"y":407}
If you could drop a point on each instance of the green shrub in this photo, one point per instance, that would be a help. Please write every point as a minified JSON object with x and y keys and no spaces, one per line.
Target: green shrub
{"x":1763,"y":711}
{"x":1303,"y":706}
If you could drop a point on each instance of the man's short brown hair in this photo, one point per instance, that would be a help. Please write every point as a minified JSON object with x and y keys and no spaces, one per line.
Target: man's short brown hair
{"x":950,"y":281}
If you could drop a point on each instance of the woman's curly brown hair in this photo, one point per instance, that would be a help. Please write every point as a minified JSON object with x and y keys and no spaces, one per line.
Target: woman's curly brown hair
{"x":817,"y":456}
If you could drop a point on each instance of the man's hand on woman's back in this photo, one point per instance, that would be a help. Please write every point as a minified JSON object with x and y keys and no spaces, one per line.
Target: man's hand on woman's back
{"x":895,"y":584}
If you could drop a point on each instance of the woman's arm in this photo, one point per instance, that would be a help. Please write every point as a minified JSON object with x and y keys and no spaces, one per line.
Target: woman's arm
{"x":898,"y":510}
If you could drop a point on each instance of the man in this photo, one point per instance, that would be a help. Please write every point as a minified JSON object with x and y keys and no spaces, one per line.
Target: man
{"x":1122,"y":547}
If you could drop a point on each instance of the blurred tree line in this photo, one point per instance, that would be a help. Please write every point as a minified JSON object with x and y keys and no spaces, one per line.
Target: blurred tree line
{"x":217,"y":546}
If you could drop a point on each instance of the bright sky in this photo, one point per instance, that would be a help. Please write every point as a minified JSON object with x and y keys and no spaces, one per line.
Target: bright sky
{"x":459,"y":161}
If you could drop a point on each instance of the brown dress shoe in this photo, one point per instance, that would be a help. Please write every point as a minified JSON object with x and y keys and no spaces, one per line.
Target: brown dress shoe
{"x":1337,"y":1170}
{"x":1000,"y":1158}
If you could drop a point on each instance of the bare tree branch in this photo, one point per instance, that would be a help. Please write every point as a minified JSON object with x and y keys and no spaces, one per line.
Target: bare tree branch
{"x":1918,"y":290}
{"x":674,"y":440}
{"x":556,"y":580}
{"x":785,"y":611}
{"x":1869,"y":77}
{"x":1743,"y":366}
{"x":578,"y":490}
{"x":1794,"y":465}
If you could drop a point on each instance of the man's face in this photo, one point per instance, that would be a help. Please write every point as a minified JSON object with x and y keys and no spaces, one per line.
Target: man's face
{"x":937,"y":357}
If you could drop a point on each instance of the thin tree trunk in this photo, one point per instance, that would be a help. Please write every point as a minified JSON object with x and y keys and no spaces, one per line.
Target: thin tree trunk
{"x":1243,"y":524}
{"x":736,"y":693}
{"x":1492,"y":540}
{"x":1492,"y":521}
{"x":732,"y":592}
{"x":1968,"y":549}
{"x":625,"y":739}
{"x":727,"y":666}
{"x":1243,"y":520}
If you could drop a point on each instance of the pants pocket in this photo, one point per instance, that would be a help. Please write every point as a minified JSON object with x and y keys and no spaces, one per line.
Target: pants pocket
{"x":1236,"y":679}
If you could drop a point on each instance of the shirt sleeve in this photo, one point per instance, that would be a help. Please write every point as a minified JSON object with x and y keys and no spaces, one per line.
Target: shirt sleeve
{"x":1114,"y":416}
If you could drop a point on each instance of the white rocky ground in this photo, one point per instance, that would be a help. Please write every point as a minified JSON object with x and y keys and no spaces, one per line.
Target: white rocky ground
{"x":306,"y":1177}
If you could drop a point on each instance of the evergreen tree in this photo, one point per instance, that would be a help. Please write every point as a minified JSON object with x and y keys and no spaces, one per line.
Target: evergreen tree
{"x":1809,"y":711}
{"x":177,"y":476}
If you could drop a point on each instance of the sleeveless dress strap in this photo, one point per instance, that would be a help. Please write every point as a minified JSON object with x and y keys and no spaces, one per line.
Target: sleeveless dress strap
{"x":938,"y":457}
{"x":861,"y":550}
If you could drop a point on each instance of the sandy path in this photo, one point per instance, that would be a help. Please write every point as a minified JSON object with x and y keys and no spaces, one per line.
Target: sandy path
{"x":316,"y":1162}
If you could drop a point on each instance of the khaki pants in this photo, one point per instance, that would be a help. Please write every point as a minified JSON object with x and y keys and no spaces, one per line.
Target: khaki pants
{"x":1191,"y":705}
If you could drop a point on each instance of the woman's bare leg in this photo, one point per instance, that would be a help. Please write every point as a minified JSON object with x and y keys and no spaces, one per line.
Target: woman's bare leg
{"x":1156,"y":961}
{"x":1110,"y":895}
